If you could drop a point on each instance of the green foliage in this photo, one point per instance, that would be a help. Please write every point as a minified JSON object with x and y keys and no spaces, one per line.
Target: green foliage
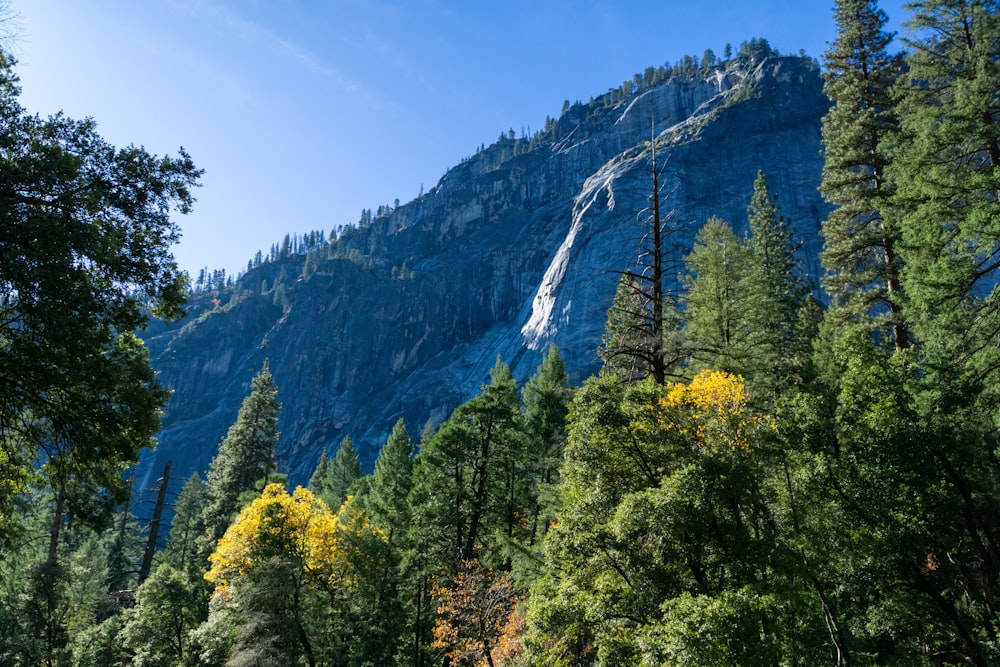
{"x":625,"y":344}
{"x":317,"y":480}
{"x":245,"y":456}
{"x":862,"y":233}
{"x":341,"y":474}
{"x":187,"y":526}
{"x":87,"y":224}
{"x":778,"y":337}
{"x":168,"y":605}
{"x":663,"y":499}
{"x":546,"y":397}
{"x":744,"y":302}
{"x":470,"y":477}
{"x":852,"y":522}
{"x":717,"y":303}
{"x":947,"y":166}
{"x":390,"y":484}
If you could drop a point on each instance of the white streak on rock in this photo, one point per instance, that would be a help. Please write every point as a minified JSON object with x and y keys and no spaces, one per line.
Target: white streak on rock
{"x":541,"y":325}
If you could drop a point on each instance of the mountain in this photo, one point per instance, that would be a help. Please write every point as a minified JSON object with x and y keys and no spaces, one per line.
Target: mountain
{"x":515,"y":248}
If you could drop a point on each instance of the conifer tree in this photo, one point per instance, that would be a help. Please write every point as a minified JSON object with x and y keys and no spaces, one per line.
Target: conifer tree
{"x":390,"y":483}
{"x":317,"y":481}
{"x":342,"y":472}
{"x":546,"y":402}
{"x":187,"y":526}
{"x":640,"y":319}
{"x":469,"y":476}
{"x":624,"y":345}
{"x":717,"y":306}
{"x":168,"y":605}
{"x":386,"y":503}
{"x":861,"y":234}
{"x":546,"y":397}
{"x":776,"y":295}
{"x":246,"y":455}
{"x":947,"y":166}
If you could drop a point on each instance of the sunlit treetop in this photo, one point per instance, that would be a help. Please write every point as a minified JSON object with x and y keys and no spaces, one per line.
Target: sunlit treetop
{"x":299,"y":527}
{"x":713,"y":410}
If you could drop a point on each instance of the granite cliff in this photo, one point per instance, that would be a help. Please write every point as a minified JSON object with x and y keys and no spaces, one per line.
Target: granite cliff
{"x":513,"y":249}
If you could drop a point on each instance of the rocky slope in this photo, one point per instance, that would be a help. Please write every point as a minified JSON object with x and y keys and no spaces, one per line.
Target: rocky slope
{"x":512,"y":250}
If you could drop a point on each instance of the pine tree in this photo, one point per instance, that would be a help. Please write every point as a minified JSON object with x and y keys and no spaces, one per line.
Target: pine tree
{"x":317,"y":481}
{"x":546,"y":402}
{"x":386,"y":503}
{"x":168,"y":605}
{"x":640,"y":322}
{"x":187,"y":526}
{"x":776,"y":295}
{"x":861,"y":234}
{"x":341,"y":474}
{"x":470,"y":475}
{"x":246,"y":455}
{"x":947,"y":166}
{"x":625,"y":346}
{"x":546,"y":397}
{"x":716,"y":304}
{"x":390,"y":483}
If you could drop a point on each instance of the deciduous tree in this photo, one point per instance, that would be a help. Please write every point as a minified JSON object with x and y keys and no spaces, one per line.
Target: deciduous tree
{"x":87,"y":224}
{"x":290,"y":565}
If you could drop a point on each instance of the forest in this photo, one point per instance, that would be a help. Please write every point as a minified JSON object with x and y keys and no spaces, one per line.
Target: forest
{"x":764,"y":472}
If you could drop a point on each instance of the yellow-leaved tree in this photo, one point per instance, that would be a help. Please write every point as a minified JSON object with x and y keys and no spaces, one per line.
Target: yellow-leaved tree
{"x":665,"y":535}
{"x":713,"y":411}
{"x":282,"y":572}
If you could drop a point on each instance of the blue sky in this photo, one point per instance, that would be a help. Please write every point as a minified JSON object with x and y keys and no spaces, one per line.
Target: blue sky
{"x":305,"y":112}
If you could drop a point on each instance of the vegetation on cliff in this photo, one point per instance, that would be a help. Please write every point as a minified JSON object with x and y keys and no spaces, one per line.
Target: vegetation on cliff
{"x":750,"y":479}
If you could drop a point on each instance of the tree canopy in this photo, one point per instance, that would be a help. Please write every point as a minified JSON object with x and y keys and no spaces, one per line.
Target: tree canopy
{"x":85,"y":238}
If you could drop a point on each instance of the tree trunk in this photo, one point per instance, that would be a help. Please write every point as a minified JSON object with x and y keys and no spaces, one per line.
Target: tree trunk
{"x":154,"y":526}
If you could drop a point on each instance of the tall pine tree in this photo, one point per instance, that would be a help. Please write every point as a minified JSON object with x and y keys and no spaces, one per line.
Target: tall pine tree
{"x":947,"y":166}
{"x":390,"y":484}
{"x":861,"y":235}
{"x":716,"y":303}
{"x":777,"y":344}
{"x":342,"y":472}
{"x":246,"y":456}
{"x":187,"y":526}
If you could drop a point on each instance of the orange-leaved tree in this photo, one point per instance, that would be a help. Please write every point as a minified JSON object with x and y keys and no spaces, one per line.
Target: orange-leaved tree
{"x":478,"y":621}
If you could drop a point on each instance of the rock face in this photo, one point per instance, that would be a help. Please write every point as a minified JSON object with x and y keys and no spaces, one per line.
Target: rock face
{"x":514,"y":249}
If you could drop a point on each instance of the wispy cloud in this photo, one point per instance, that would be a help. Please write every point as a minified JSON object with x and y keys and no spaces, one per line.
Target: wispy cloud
{"x":396,"y":60}
{"x":264,"y":38}
{"x":229,"y":86}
